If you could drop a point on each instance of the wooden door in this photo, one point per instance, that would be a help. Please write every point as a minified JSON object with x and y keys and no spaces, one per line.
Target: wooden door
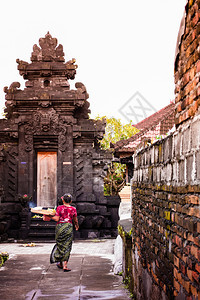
{"x":46,"y":179}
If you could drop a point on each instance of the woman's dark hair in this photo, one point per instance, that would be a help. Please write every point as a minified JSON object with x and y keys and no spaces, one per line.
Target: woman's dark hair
{"x":67,"y":198}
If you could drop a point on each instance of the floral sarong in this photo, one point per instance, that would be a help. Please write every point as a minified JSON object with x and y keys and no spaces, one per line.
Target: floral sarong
{"x":64,"y":237}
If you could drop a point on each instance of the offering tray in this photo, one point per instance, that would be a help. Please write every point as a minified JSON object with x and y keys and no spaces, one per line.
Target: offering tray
{"x":47,"y":212}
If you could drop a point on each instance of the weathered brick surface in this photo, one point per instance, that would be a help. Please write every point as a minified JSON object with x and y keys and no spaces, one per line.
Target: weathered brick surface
{"x":166,"y":189}
{"x":187,"y":67}
{"x":166,"y":234}
{"x":166,"y":214}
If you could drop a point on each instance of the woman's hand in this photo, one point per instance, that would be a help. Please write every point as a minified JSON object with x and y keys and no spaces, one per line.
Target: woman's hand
{"x":46,"y":218}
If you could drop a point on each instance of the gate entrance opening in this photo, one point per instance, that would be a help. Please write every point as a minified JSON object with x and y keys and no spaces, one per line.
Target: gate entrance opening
{"x":46,"y":179}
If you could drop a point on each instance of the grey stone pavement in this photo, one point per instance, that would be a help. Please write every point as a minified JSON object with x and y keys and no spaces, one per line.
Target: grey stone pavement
{"x":29,"y":275}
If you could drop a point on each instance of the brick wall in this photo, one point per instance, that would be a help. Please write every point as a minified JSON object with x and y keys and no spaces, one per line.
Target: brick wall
{"x":166,"y":216}
{"x":166,"y":187}
{"x":187,"y":65}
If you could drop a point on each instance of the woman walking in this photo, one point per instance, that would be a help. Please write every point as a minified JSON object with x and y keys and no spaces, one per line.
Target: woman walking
{"x":65,"y":216}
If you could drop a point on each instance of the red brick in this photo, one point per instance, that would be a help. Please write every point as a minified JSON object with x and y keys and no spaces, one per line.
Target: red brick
{"x":177,"y":89}
{"x":192,"y":72}
{"x":177,"y":285}
{"x":184,"y":104}
{"x":191,"y":112}
{"x":194,"y":34}
{"x":190,"y":237}
{"x":184,"y":257}
{"x":194,"y":251}
{"x":176,"y":261}
{"x":194,"y":211}
{"x":190,"y":62}
{"x":195,"y":106}
{"x":194,"y":291}
{"x":176,"y":293}
{"x":196,"y":276}
{"x":197,"y":241}
{"x":191,"y":263}
{"x":182,"y":267}
{"x":198,"y":227}
{"x":192,"y":199}
{"x":178,"y":241}
{"x":195,"y":19}
{"x":191,"y":97}
{"x":197,"y":267}
{"x":189,"y":274}
{"x":190,"y":38}
{"x":179,"y":107}
{"x":190,"y":87}
{"x":179,"y":277}
{"x":175,"y":273}
{"x":178,"y":98}
{"x":186,"y":285}
{"x":186,"y":78}
{"x":198,"y":66}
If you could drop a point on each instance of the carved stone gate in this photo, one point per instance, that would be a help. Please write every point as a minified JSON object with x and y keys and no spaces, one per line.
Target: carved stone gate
{"x":49,"y":146}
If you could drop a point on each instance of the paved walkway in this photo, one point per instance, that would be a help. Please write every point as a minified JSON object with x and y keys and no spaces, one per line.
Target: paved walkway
{"x":29,"y":275}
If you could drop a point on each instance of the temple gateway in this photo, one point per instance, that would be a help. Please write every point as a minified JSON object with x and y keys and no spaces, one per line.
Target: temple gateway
{"x":49,"y":146}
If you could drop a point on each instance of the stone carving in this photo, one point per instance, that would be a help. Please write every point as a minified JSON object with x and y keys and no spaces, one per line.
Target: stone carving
{"x":81,"y":89}
{"x":12,"y":172}
{"x":45,"y":120}
{"x":76,"y":135}
{"x":44,"y":103}
{"x":14,"y":134}
{"x":79,"y":177}
{"x":28,"y":138}
{"x":13,"y":88}
{"x":71,"y":68}
{"x":48,"y":50}
{"x":21,"y":66}
{"x":2,"y":153}
{"x":62,"y":145}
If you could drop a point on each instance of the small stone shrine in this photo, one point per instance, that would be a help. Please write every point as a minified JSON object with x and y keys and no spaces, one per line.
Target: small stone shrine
{"x":49,"y":146}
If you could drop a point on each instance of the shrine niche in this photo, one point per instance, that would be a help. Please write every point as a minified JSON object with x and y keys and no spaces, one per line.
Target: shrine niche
{"x":47,"y":131}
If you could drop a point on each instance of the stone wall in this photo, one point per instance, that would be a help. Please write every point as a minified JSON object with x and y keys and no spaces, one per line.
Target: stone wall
{"x":166,"y":216}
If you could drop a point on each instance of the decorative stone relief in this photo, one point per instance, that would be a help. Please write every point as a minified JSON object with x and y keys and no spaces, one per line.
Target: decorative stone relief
{"x":46,"y":120}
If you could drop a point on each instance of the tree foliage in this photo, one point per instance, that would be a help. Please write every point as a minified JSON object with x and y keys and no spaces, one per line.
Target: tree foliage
{"x":115,"y":179}
{"x":114,"y":132}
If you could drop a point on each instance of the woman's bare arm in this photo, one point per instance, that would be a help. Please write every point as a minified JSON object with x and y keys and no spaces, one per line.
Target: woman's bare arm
{"x":55,"y":218}
{"x":75,"y":219}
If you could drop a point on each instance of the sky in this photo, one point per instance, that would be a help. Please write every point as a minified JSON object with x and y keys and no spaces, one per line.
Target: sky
{"x":124,"y":49}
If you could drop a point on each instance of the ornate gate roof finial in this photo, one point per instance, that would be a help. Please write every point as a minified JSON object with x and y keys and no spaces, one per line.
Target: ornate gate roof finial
{"x":49,"y":50}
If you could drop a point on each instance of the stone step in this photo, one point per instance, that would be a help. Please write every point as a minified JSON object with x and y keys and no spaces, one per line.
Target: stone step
{"x":42,"y":240}
{"x":42,"y":234}
{"x":125,"y":194}
{"x":42,"y":231}
{"x":38,"y":225}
